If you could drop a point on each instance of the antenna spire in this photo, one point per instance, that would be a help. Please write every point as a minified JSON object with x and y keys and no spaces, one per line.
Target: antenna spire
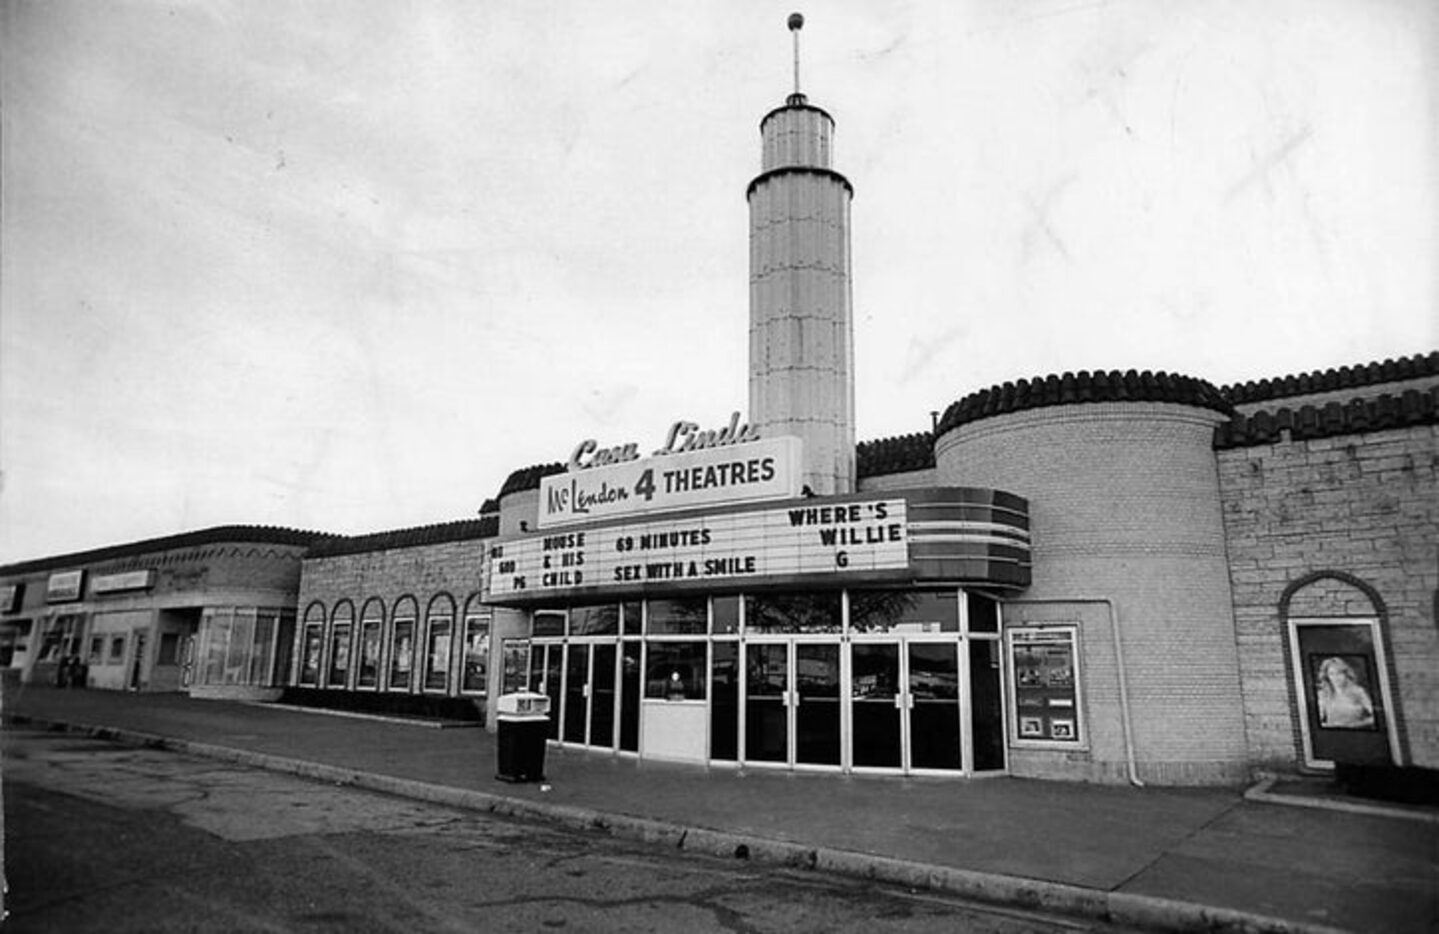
{"x":796,"y":23}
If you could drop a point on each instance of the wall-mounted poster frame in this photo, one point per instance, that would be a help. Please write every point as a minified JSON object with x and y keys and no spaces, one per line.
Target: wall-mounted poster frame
{"x":515,"y":662}
{"x":1046,"y":709}
{"x":1340,"y":680}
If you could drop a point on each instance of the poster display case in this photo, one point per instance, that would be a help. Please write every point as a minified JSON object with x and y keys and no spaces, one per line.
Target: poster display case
{"x":1044,"y":685}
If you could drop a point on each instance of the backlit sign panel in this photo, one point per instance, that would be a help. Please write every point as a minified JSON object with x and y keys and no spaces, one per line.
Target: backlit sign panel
{"x":868,"y":535}
{"x":116,"y":583}
{"x":755,"y":470}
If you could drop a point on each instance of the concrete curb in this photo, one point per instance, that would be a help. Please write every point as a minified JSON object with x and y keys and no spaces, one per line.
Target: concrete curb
{"x":1147,"y":912}
{"x":1260,"y":792}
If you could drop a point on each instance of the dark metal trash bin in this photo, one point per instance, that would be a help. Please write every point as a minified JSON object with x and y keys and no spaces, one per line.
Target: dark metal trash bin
{"x":522,"y":727}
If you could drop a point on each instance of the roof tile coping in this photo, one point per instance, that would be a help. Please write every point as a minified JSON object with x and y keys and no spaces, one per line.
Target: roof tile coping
{"x":248,"y":534}
{"x":1083,"y":387}
{"x":528,"y":478}
{"x":1344,"y":377}
{"x":900,"y":454}
{"x":1309,"y":422}
{"x":486,"y":526}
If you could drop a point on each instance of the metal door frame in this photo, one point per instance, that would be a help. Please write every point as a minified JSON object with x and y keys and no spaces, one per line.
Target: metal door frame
{"x":1381,"y":675}
{"x":905,"y":703}
{"x":792,"y":641}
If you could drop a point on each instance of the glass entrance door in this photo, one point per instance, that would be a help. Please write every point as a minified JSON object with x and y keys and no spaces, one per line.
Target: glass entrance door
{"x":932,"y":683}
{"x":766,"y":703}
{"x":816,"y":707}
{"x":602,"y":696}
{"x":546,"y":677}
{"x":792,"y":703}
{"x":577,"y":693}
{"x":877,"y":716}
{"x":905,"y":706}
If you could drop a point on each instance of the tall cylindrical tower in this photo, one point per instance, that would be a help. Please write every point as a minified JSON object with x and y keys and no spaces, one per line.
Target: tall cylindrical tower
{"x":801,"y":352}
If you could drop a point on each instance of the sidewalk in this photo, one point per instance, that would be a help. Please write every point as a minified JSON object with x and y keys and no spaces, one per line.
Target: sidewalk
{"x":1167,"y":859}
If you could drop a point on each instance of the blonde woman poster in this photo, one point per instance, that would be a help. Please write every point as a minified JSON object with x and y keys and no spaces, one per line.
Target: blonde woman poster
{"x":1343,"y":694}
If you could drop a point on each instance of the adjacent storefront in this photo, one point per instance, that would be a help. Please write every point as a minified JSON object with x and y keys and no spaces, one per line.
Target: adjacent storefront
{"x":210,"y":612}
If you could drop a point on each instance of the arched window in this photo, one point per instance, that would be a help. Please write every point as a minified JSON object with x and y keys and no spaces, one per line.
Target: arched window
{"x":1341,"y":672}
{"x":439,"y":637}
{"x":311,"y":645}
{"x":342,"y":634}
{"x":475,"y":665}
{"x":372,"y":624}
{"x":402,"y":644}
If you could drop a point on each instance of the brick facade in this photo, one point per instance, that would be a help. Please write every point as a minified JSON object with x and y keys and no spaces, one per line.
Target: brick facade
{"x":1343,"y":526}
{"x":442,"y":574}
{"x":1124,"y":508}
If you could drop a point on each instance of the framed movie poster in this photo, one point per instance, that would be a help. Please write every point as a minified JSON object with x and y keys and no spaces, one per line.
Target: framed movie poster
{"x":310,"y":656}
{"x":1342,"y":693}
{"x":1043,"y":679}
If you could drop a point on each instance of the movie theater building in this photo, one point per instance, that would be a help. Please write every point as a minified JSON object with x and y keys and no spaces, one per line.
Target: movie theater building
{"x":1103,"y":576}
{"x":1100,"y":576}
{"x":211,"y":612}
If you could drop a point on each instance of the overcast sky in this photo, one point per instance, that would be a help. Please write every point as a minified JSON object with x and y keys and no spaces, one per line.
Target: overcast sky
{"x":344,"y":266}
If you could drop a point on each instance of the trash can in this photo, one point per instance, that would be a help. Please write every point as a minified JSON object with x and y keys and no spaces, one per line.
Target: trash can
{"x":522,"y":726}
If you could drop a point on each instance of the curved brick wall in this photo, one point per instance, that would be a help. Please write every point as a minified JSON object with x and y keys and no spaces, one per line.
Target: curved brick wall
{"x":1124,"y":501}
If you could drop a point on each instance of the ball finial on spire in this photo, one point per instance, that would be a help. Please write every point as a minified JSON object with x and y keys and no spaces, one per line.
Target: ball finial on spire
{"x":796,"y":21}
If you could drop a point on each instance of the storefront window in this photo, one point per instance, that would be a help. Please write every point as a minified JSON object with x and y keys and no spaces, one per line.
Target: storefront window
{"x":214,"y":643}
{"x":169,"y":649}
{"x":49,"y":645}
{"x":310,"y":648}
{"x":599,"y":620}
{"x":983,"y":613}
{"x":516,"y":659}
{"x":630,"y":618}
{"x":342,"y":623}
{"x":440,"y":629}
{"x":402,"y":654}
{"x":117,"y":649}
{"x":61,"y":637}
{"x":372,"y":624}
{"x":675,"y":671}
{"x":237,"y":652}
{"x":310,"y":667}
{"x":549,"y":623}
{"x":815,"y":612}
{"x":265,"y":621}
{"x":726,"y":615}
{"x":97,"y":648}
{"x":339,"y":656}
{"x":903,"y":611}
{"x":1044,"y":677}
{"x":477,"y":653}
{"x":688,"y":616}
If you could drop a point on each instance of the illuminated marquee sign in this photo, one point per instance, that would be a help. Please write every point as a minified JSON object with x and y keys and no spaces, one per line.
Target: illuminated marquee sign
{"x":798,"y":539}
{"x":64,"y":586}
{"x":116,"y":583}
{"x":757,"y":470}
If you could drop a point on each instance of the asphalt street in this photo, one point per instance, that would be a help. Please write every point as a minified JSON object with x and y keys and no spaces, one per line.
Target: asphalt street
{"x":103,"y":837}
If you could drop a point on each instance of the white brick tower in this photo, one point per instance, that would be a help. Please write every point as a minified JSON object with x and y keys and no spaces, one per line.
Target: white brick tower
{"x":801,"y":332}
